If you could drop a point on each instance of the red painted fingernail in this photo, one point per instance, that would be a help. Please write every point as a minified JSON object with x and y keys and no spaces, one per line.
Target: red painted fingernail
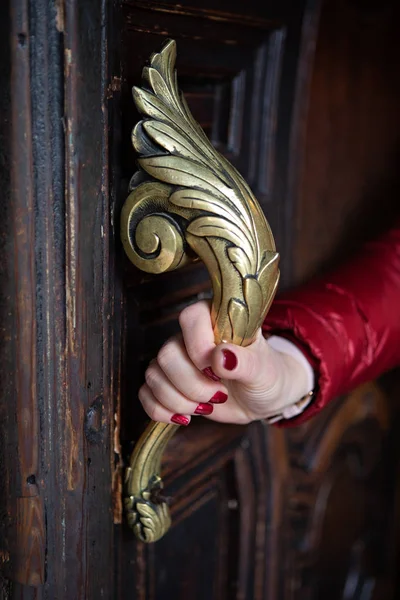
{"x":230,"y":360}
{"x":210,"y":373}
{"x":180,"y":420}
{"x":204,"y":409}
{"x":219,"y":398}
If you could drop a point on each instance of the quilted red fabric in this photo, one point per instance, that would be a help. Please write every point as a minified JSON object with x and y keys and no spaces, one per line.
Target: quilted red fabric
{"x":346,"y":322}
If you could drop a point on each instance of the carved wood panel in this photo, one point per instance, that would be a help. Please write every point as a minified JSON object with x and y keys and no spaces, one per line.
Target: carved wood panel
{"x":341,"y":478}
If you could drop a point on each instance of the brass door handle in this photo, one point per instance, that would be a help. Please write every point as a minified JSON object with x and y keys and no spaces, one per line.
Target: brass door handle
{"x":187,"y":201}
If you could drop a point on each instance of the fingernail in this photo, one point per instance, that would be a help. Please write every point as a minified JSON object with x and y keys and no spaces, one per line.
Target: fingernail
{"x":180,"y":420}
{"x":204,"y":409}
{"x":210,"y":373}
{"x":219,"y":398}
{"x":230,"y":360}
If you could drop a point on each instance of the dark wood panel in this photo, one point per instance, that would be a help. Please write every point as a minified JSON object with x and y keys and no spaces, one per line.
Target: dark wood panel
{"x":22,"y":512}
{"x":220,"y":11}
{"x":343,"y":468}
{"x":350,"y":186}
{"x":236,"y":75}
{"x":227,"y":498}
{"x":57,"y":400}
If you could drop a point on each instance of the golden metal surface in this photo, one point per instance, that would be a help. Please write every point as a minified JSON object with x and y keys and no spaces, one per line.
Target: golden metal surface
{"x":187,"y":202}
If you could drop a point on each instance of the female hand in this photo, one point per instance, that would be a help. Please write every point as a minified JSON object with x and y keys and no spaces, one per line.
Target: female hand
{"x":225,"y":383}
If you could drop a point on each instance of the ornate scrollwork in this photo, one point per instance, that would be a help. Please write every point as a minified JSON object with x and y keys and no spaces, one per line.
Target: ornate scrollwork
{"x":146,"y":509}
{"x":187,"y":202}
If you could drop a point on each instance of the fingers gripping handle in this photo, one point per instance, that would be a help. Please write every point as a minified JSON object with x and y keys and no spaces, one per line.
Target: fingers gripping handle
{"x":187,"y":202}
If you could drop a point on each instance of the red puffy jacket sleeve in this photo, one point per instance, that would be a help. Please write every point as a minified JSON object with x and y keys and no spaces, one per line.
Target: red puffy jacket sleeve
{"x":347,"y":323}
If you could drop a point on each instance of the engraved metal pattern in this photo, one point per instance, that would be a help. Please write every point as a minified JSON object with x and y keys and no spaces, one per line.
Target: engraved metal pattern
{"x":188,"y":202}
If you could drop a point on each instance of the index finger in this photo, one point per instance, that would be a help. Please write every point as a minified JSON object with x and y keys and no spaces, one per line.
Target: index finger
{"x":197,"y":332}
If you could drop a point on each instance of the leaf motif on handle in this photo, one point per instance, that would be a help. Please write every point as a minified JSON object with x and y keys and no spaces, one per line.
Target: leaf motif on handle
{"x":204,"y":199}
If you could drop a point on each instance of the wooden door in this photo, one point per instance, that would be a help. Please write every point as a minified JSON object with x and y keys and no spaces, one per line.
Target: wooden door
{"x":258,"y":513}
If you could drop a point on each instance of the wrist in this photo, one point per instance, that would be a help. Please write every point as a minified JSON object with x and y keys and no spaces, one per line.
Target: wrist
{"x":295,"y":382}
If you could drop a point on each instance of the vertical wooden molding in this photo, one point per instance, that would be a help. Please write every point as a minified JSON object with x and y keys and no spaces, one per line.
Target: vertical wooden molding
{"x":56,"y":303}
{"x":27,"y":529}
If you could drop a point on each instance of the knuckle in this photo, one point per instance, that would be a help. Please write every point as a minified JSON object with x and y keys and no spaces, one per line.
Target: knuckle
{"x":187,"y":316}
{"x":167,"y":354}
{"x":152,"y":412}
{"x":197,"y":391}
{"x":151,"y":376}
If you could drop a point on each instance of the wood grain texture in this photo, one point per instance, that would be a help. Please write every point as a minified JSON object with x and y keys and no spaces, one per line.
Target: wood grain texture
{"x":30,"y":543}
{"x":81,"y":432}
{"x":7,"y":435}
{"x":60,"y":360}
{"x":22,"y":514}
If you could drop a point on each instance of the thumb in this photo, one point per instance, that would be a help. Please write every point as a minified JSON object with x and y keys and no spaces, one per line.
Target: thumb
{"x":245,"y":365}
